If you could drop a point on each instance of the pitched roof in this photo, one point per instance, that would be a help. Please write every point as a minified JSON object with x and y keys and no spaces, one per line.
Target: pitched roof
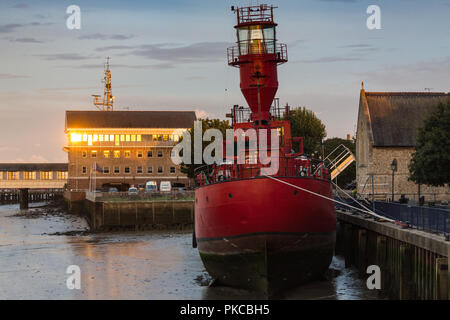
{"x":395,"y":117}
{"x":33,"y":166}
{"x":129,"y":119}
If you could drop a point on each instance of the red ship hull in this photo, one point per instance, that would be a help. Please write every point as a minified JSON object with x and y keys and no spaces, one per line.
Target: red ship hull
{"x":264,"y":235}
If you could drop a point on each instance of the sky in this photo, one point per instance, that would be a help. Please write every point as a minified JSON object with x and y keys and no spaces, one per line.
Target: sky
{"x":171,"y":55}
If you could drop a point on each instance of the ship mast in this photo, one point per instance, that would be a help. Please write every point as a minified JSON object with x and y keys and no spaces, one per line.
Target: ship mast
{"x":105,"y":104}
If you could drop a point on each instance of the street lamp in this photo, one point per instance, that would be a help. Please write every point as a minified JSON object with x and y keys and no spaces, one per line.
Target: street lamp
{"x":393,"y":168}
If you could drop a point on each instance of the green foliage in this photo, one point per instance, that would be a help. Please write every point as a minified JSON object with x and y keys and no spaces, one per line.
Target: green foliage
{"x":431,"y":161}
{"x":349,"y":174}
{"x":304,"y":123}
{"x":207,"y":123}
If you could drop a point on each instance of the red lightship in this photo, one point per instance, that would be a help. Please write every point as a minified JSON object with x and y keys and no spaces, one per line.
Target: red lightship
{"x":259,"y":231}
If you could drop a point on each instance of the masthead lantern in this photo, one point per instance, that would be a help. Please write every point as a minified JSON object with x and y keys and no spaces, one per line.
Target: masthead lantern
{"x":257,"y":54}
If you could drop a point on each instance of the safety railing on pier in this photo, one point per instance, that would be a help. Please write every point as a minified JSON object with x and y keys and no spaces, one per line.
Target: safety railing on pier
{"x":140,"y":196}
{"x":420,"y":217}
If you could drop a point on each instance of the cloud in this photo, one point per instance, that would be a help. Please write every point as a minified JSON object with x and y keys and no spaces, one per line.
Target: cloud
{"x":12,"y":76}
{"x":20,"y":6}
{"x":196,"y":52}
{"x":27,"y":40}
{"x":331,"y":59}
{"x":101,"y":36}
{"x":109,"y":48}
{"x":7,"y":28}
{"x":38,"y":159}
{"x":64,"y":56}
{"x":11,"y":27}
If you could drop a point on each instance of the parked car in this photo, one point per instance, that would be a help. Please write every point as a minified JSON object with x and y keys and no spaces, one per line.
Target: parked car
{"x":151,"y":186}
{"x":133,"y":191}
{"x":113,"y":190}
{"x":165,"y":186}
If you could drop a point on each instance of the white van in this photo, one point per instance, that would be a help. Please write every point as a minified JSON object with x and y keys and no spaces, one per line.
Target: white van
{"x":165,"y":186}
{"x":151,"y":186}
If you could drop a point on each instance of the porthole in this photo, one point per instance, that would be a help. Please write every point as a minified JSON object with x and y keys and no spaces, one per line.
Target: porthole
{"x":295,"y":192}
{"x":207,"y":199}
{"x":230,"y":195}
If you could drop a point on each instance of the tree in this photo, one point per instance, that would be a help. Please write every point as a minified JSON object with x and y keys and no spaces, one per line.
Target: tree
{"x":430,"y":163}
{"x":221,"y":125}
{"x":349,"y":174}
{"x":304,"y":123}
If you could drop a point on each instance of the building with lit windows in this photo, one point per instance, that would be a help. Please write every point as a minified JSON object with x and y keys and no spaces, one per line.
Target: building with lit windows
{"x":124,"y":148}
{"x":33,"y":175}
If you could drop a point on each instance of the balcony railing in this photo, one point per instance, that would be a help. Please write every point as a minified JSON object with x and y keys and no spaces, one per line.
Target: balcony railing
{"x":261,"y":13}
{"x":235,"y":53}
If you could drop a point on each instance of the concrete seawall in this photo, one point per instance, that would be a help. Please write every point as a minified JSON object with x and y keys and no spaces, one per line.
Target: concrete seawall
{"x":413,"y":263}
{"x":137,"y":215}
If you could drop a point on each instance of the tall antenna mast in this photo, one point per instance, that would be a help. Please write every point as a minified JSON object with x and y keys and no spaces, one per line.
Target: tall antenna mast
{"x":105,"y":104}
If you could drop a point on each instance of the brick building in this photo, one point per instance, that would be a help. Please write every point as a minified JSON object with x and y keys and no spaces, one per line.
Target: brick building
{"x":128,"y":147}
{"x":387,"y":129}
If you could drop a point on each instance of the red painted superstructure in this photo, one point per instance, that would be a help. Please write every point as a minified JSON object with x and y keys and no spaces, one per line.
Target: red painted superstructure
{"x":253,"y":230}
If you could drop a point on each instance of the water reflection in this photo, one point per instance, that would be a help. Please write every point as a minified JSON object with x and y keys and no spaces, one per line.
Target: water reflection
{"x":157,"y":265}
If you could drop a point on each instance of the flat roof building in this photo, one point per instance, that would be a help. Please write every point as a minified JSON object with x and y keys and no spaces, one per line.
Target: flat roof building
{"x":128,"y":148}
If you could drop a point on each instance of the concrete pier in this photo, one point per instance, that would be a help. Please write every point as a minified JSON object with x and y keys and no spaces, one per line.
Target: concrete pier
{"x":413,"y":263}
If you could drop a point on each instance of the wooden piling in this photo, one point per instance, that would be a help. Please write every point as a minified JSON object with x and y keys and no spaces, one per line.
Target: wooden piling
{"x":441,"y":281}
{"x":406,"y":272}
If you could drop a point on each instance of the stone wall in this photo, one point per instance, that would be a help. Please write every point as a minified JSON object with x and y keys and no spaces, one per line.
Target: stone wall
{"x":380,"y":166}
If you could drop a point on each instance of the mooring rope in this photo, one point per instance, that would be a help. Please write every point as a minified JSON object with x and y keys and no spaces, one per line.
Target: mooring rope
{"x":331,"y":199}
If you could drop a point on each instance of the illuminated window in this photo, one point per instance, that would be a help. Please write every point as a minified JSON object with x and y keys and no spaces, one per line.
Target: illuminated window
{"x":139,"y":138}
{"x":116,"y":170}
{"x":127,"y":169}
{"x":95,"y":137}
{"x":116,"y":154}
{"x":149,"y":154}
{"x":160,"y":137}
{"x":100,"y":138}
{"x":106,"y":153}
{"x":84,"y":154}
{"x":139,"y":154}
{"x":160,"y":154}
{"x":133,"y":137}
{"x":122,"y":137}
{"x":90,"y":140}
{"x":127,"y":153}
{"x":62,"y":175}
{"x":75,"y":137}
{"x":12,"y":175}
{"x":111,"y":137}
{"x":172,"y":169}
{"x":83,"y":170}
{"x":166,"y":137}
{"x":117,"y":137}
{"x":155,"y":137}
{"x":106,"y":170}
{"x":149,"y":169}
{"x":85,"y":137}
{"x":127,"y":138}
{"x":94,"y":154}
{"x":139,"y":170}
{"x":176,"y":138}
{"x":45,"y":175}
{"x":160,"y":169}
{"x":107,"y":137}
{"x":30,"y":175}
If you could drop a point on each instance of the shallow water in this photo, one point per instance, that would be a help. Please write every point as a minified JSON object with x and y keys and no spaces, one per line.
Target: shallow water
{"x":135,"y":265}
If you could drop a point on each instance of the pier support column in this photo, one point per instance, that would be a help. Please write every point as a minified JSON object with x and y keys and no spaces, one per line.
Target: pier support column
{"x":381,"y":259}
{"x":405,"y":273}
{"x":362,"y":258}
{"x":441,"y":281}
{"x":23,"y":198}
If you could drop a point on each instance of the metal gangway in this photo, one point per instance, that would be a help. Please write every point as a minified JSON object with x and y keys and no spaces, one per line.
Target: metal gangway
{"x":339,"y":159}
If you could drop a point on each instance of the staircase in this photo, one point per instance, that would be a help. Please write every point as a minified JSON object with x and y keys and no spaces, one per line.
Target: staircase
{"x":342,"y":158}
